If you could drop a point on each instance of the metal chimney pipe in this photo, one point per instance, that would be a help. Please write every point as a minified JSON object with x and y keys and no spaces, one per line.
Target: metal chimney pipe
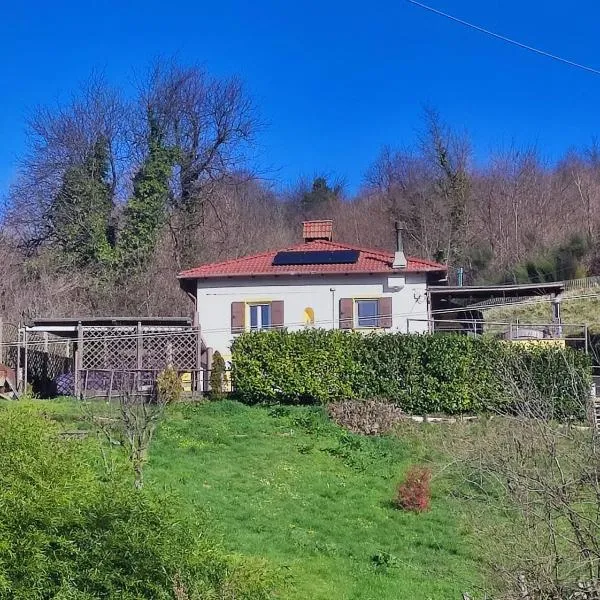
{"x":400,"y":261}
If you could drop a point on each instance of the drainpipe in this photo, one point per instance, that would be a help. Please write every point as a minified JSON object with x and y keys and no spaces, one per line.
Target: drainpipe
{"x":430,"y":317}
{"x":332,"y":290}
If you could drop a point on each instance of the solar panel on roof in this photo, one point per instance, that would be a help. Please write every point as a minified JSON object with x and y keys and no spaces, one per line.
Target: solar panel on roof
{"x":316,"y":257}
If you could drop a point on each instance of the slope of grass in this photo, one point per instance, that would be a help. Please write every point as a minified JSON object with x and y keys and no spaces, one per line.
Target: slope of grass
{"x":575,"y":309}
{"x":287,"y":485}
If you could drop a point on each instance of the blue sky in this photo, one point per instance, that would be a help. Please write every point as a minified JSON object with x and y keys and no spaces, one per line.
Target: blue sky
{"x":334,"y":80}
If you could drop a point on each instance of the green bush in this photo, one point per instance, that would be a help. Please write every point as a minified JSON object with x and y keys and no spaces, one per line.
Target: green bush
{"x":218,"y":377}
{"x":69,"y":531}
{"x":296,"y":368}
{"x":427,"y":373}
{"x":451,"y":374}
{"x":168,"y":386}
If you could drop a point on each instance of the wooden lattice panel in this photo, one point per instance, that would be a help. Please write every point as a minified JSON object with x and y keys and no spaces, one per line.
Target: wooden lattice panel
{"x":110,"y":348}
{"x":126,"y":348}
{"x":39,"y":342}
{"x":176,"y":347}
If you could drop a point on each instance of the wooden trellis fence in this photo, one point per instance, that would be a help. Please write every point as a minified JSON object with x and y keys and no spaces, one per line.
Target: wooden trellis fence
{"x":70,"y":356}
{"x":147,"y":350}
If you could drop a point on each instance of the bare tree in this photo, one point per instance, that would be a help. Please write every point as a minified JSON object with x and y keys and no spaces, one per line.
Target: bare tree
{"x":580,"y":178}
{"x":400,"y":186}
{"x":449,"y":155}
{"x":540,"y":480}
{"x":60,"y":138}
{"x":212,"y":122}
{"x":132,"y":419}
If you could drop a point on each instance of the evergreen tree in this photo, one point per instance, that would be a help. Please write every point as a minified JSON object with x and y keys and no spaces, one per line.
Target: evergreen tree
{"x":145,"y":211}
{"x":319,"y":197}
{"x":79,"y":217}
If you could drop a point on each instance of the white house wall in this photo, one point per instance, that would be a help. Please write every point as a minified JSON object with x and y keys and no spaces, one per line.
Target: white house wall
{"x":214,"y":298}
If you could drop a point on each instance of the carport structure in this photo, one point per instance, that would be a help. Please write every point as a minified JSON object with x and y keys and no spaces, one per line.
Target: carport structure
{"x":452,"y":306}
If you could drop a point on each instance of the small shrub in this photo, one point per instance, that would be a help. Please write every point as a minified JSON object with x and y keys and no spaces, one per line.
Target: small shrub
{"x":218,"y":377}
{"x":311,"y":420}
{"x":414,"y":493}
{"x":168,"y":386}
{"x":369,"y":418}
{"x":384,"y":560}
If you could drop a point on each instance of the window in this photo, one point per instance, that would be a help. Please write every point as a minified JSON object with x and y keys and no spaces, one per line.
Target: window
{"x":260,"y":316}
{"x":366,"y":313}
{"x":257,"y":315}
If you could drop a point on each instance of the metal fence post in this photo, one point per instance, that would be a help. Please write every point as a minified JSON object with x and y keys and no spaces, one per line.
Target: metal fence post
{"x":25,"y":366}
{"x":78,"y":360}
{"x":139,"y":347}
{"x":585,"y":331}
{"x":18,"y":371}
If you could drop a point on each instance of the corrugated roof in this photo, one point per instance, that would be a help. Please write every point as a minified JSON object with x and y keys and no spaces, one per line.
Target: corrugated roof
{"x":369,"y":261}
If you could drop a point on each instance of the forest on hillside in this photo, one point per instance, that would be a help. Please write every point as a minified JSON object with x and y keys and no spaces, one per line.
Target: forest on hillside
{"x":117,"y":193}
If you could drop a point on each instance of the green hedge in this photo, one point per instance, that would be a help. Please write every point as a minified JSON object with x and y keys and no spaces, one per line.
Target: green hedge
{"x":450,"y":374}
{"x":309,"y":366}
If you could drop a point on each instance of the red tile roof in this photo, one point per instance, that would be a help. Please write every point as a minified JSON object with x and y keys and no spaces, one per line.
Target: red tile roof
{"x":260,"y":265}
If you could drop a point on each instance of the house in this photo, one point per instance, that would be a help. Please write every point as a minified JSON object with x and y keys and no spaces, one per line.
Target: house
{"x":318,"y":283}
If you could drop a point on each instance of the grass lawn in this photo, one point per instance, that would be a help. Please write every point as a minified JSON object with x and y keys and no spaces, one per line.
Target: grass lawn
{"x":287,"y":485}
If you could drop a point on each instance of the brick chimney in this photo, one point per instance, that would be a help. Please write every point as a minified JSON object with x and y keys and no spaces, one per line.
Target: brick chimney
{"x":317,"y":230}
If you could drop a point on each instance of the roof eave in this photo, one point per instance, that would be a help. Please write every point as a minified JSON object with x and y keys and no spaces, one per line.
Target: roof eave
{"x":190,"y":276}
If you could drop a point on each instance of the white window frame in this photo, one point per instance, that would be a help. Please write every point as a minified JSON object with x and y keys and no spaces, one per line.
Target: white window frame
{"x":260,"y":306}
{"x":357,"y":324}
